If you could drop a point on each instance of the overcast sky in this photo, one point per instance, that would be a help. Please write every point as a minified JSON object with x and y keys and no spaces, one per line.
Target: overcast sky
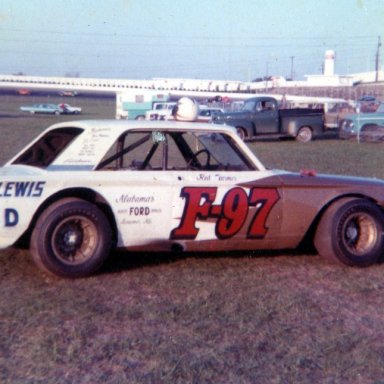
{"x":208,"y":39}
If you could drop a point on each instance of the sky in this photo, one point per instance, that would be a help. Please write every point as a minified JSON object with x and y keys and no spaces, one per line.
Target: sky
{"x":200,"y":39}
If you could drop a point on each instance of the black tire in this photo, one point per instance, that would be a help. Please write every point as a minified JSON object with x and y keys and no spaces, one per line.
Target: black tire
{"x":241,"y":132}
{"x":72,"y":238}
{"x":304,"y":135}
{"x":350,"y":232}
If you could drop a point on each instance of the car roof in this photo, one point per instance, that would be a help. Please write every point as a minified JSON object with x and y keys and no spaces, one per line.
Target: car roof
{"x":120,"y":126}
{"x":103,"y":133}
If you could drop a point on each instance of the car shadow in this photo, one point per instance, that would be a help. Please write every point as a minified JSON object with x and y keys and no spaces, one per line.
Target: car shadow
{"x":120,"y":261}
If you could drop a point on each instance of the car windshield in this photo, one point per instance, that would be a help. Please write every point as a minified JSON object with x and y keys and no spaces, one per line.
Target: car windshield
{"x":144,"y":150}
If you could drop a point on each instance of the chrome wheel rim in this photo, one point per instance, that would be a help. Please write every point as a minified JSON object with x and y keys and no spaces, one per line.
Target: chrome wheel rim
{"x":74,"y":240}
{"x":360,"y":234}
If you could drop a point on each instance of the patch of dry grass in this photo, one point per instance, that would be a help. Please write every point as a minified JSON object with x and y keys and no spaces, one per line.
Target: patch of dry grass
{"x":325,"y":156}
{"x":197,"y":318}
{"x":232,"y":318}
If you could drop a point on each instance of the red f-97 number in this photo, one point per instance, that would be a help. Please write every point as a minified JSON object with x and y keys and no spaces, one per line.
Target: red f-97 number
{"x":230,"y":215}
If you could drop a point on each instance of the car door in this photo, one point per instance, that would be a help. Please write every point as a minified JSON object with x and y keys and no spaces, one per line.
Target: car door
{"x":133,"y":180}
{"x":220,"y":208}
{"x":142,"y":207}
{"x":266,"y":117}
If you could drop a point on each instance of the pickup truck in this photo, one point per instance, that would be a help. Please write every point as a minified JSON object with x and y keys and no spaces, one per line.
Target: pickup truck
{"x":160,"y":111}
{"x":359,"y":123}
{"x":261,"y":116}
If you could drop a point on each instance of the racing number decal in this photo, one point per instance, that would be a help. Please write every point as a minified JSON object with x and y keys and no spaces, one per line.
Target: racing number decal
{"x":263,"y":200}
{"x":231,"y":214}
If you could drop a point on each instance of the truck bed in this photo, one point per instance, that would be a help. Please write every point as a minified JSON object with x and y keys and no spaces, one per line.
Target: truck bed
{"x":301,"y":111}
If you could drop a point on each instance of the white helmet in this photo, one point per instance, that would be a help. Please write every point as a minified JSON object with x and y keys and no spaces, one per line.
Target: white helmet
{"x":186,"y":109}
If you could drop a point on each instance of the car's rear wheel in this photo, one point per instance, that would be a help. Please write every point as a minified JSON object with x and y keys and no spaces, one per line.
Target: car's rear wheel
{"x":72,"y":238}
{"x":351,"y":232}
{"x":304,"y":135}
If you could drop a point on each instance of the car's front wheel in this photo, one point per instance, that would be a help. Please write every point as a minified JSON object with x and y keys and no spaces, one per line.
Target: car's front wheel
{"x":351,"y":232}
{"x":241,"y":132}
{"x":72,"y":238}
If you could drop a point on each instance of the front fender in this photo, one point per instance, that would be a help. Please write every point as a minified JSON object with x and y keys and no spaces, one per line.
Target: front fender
{"x":247,"y":125}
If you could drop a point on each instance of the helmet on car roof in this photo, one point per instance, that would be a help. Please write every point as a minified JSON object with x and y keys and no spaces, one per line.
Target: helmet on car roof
{"x":186,"y":109}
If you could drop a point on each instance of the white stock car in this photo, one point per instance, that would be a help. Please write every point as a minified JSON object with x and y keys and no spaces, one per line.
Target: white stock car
{"x":82,"y":188}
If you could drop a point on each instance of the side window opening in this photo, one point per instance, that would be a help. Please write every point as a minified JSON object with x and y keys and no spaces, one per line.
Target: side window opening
{"x":156,"y":151}
{"x":135,"y":151}
{"x":44,"y":151}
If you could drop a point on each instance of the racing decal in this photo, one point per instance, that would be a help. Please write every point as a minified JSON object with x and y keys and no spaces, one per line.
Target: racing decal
{"x":139,"y":211}
{"x":11,"y":217}
{"x":136,"y":209}
{"x":230,"y":215}
{"x":215,"y":177}
{"x":127,"y":198}
{"x":22,"y":188}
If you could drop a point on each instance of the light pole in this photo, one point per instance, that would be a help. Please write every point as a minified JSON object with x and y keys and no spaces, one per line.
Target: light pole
{"x":292,"y":57}
{"x":378,"y":58}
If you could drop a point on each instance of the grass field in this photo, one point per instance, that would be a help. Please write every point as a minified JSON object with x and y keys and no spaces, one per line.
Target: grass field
{"x":199,"y":318}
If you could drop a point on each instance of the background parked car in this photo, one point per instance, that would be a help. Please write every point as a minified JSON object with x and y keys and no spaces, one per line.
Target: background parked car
{"x":354,"y":124}
{"x":53,"y":109}
{"x":69,"y":110}
{"x":206,"y":113}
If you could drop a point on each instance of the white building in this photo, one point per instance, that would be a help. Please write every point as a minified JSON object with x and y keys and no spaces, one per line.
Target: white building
{"x":329,"y":78}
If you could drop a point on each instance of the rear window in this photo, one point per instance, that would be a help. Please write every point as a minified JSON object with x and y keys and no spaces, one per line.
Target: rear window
{"x":44,"y":151}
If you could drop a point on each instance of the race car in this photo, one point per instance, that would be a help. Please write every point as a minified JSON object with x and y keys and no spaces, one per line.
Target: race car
{"x":83,"y":188}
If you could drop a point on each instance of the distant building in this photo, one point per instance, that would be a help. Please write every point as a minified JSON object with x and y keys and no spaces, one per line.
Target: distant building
{"x":329,"y":78}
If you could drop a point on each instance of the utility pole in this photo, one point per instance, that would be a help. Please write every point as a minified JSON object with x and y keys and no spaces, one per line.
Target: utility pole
{"x":292,"y":57}
{"x":378,"y":58}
